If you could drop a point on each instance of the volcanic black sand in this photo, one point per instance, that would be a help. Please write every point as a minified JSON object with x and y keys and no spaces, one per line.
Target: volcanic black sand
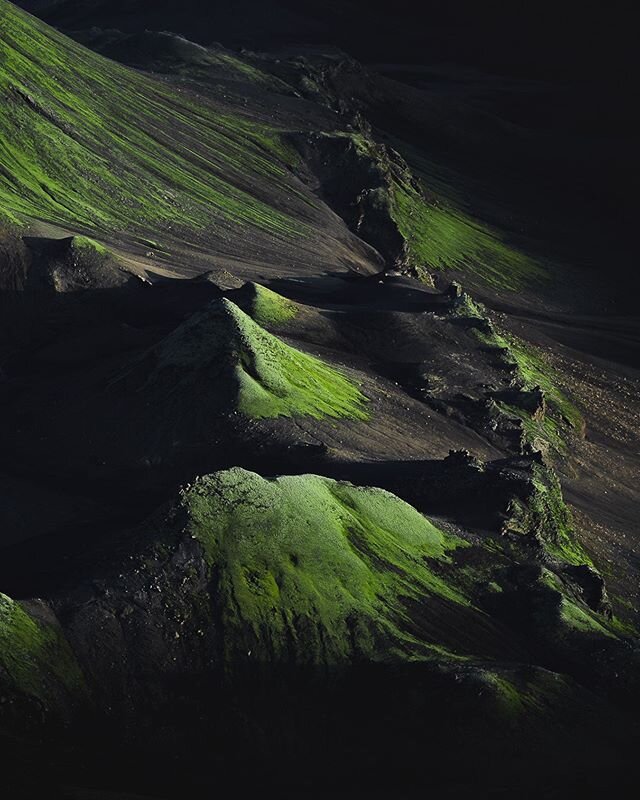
{"x":319,"y":388}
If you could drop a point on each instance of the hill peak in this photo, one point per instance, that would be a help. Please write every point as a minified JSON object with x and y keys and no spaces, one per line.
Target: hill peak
{"x":272,"y":378}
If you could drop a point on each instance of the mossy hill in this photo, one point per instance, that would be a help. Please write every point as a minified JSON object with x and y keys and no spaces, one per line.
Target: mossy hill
{"x":315,"y":571}
{"x":267,"y":307}
{"x":70,"y":264}
{"x":233,"y":360}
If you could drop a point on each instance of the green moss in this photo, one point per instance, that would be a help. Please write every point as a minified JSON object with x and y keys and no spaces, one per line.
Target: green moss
{"x":583,"y":619}
{"x":227,"y":62}
{"x":468,"y":308}
{"x":531,"y":692}
{"x":545,"y":515}
{"x":271,"y":379}
{"x":509,"y":697}
{"x":313,"y":570}
{"x":440,"y":236}
{"x":84,"y":243}
{"x":182,"y":57}
{"x":33,"y":656}
{"x":270,"y":308}
{"x":9,"y":220}
{"x":535,"y":371}
{"x":541,"y":431}
{"x":91,"y":144}
{"x":577,"y":616}
{"x":623,"y":628}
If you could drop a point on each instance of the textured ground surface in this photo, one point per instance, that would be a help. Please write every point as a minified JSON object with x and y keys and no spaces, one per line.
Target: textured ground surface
{"x":320,"y":422}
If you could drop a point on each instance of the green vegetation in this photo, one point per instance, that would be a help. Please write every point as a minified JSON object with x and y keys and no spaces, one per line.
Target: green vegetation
{"x":582,"y":619}
{"x":33,"y":656}
{"x":439,"y":236}
{"x":442,"y":213}
{"x":234,"y":67}
{"x":316,"y":571}
{"x":577,"y":617}
{"x":532,"y":691}
{"x":270,"y":308}
{"x":541,"y":430}
{"x":170,"y":52}
{"x":534,"y":371}
{"x":84,"y":243}
{"x":272,"y":378}
{"x":545,"y":515}
{"x":9,"y":220}
{"x":89,"y":143}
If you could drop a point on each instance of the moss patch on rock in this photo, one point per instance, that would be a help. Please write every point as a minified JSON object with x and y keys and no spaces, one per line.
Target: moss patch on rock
{"x":532,"y":371}
{"x":34,"y":658}
{"x":85,"y":244}
{"x":545,"y":515}
{"x":438,"y":235}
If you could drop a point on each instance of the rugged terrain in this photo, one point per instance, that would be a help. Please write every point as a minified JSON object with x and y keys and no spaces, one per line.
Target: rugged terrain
{"x":320,"y":442}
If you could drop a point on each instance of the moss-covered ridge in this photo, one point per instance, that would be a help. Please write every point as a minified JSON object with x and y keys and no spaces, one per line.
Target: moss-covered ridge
{"x":314,"y":571}
{"x":222,"y":345}
{"x":558,"y":415}
{"x":543,"y":514}
{"x":94,"y":145}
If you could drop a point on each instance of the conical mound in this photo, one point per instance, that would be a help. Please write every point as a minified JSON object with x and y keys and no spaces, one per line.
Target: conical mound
{"x":267,"y":307}
{"x":222,"y":345}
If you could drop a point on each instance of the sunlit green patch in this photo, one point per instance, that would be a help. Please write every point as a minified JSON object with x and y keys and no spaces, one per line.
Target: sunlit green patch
{"x":532,"y":691}
{"x":534,"y":371}
{"x":545,"y":515}
{"x":9,"y":220}
{"x":315,"y":571}
{"x":440,"y":236}
{"x":84,"y":243}
{"x":269,"y":308}
{"x":577,"y":616}
{"x":270,"y":378}
{"x":89,"y":143}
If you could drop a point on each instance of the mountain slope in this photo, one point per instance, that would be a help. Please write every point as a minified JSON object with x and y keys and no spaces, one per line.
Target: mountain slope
{"x":199,"y":388}
{"x":272,"y":378}
{"x":336,"y":611}
{"x":145,"y":157}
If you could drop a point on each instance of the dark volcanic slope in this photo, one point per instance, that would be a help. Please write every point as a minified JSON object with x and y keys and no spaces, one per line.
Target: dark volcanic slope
{"x":274,"y":490}
{"x":159,"y":167}
{"x":536,"y":131}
